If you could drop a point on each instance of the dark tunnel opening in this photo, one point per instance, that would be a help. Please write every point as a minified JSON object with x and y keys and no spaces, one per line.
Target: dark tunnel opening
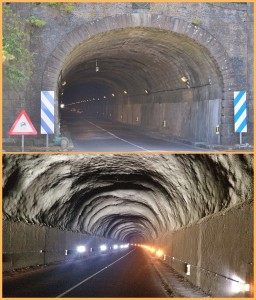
{"x":126,"y":76}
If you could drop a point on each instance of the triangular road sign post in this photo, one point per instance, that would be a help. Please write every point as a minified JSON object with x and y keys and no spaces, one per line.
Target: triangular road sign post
{"x":22,"y":126}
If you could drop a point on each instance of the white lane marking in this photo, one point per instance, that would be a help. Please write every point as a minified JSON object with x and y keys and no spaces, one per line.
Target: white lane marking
{"x":88,"y":278}
{"x":118,"y":137}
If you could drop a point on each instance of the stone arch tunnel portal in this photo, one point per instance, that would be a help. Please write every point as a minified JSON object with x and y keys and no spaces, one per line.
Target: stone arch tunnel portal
{"x":153,"y":78}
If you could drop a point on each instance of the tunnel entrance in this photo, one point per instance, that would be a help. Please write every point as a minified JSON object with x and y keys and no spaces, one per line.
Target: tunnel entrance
{"x":150,"y":72}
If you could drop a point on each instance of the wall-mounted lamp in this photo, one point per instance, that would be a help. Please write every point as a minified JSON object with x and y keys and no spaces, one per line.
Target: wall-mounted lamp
{"x":147,"y":92}
{"x":125,"y":92}
{"x":246,"y":287}
{"x":62,"y":105}
{"x":64,"y":83}
{"x":97,"y":68}
{"x":113,"y":95}
{"x":186,"y":81}
{"x":187,"y":269}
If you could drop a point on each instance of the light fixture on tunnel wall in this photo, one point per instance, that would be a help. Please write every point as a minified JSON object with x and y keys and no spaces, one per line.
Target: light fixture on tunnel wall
{"x":125,"y":92}
{"x":147,"y":92}
{"x":113,"y":95}
{"x":62,"y":105}
{"x":64,"y":83}
{"x":103,"y":248}
{"x":246,"y":287}
{"x":80,"y":249}
{"x":187,"y":269}
{"x":185,"y":80}
{"x":97,"y":67}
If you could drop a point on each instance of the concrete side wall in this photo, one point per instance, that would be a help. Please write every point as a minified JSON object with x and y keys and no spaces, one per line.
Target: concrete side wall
{"x":188,"y":120}
{"x":28,"y":245}
{"x":219,"y":248}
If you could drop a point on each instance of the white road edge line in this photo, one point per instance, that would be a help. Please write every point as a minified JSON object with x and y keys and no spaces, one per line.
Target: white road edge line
{"x":75,"y":286}
{"x":118,"y":137}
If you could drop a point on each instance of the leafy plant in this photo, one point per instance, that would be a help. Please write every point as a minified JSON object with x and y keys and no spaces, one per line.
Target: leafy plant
{"x":66,"y":7}
{"x":17,"y":59}
{"x":33,"y":21}
{"x":197,"y":22}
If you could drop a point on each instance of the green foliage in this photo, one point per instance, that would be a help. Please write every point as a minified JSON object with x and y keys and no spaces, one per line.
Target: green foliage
{"x":197,"y":22}
{"x":68,"y":7}
{"x":63,"y":7}
{"x":17,"y":59}
{"x":33,"y":21}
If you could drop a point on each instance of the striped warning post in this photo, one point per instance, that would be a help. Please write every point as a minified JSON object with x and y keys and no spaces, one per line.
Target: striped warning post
{"x":240,"y":113}
{"x":47,"y":112}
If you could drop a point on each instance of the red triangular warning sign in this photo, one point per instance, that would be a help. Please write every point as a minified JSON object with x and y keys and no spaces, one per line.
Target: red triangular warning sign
{"x":22,"y":125}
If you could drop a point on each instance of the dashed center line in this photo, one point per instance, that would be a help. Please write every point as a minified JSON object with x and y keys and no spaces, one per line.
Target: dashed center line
{"x":88,"y":278}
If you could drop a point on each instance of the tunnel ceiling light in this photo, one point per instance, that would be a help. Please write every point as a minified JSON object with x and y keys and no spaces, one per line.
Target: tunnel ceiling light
{"x":64,"y":83}
{"x":147,"y":91}
{"x":80,"y":249}
{"x":104,"y":97}
{"x":113,"y":95}
{"x":115,"y":247}
{"x":62,"y":105}
{"x":125,"y":92}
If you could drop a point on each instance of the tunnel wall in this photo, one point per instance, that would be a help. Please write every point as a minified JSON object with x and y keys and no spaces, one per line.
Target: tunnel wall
{"x":22,"y":244}
{"x":196,"y":121}
{"x":227,"y":22}
{"x":221,"y":244}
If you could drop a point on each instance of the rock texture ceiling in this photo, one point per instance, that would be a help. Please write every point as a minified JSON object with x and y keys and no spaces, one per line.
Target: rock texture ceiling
{"x":127,"y":197}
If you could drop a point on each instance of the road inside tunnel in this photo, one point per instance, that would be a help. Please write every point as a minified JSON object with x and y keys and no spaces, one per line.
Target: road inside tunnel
{"x":128,"y":273}
{"x":93,"y":135}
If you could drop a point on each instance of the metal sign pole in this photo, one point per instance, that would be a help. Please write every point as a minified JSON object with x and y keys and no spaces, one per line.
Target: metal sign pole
{"x":22,"y":143}
{"x":47,"y":142}
{"x":240,"y":138}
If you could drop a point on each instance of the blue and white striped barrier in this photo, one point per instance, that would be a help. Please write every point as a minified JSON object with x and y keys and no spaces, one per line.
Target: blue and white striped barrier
{"x":240,"y":114}
{"x":47,"y":112}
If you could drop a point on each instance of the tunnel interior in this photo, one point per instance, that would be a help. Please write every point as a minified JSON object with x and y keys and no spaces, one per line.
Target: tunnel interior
{"x":197,"y":208}
{"x":131,"y":198}
{"x":144,"y":72}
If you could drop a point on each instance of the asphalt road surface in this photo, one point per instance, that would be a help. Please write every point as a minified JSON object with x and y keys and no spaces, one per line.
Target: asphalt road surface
{"x":103,"y":136}
{"x":127,"y":273}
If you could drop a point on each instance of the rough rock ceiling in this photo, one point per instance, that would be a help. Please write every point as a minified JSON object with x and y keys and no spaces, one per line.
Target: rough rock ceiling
{"x":128,"y":197}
